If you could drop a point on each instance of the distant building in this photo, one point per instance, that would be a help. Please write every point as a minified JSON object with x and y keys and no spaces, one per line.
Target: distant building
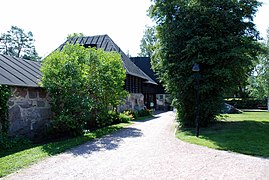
{"x":153,"y":93}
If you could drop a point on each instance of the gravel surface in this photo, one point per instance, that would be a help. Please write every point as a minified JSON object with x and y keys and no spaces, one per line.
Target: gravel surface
{"x":146,"y":150}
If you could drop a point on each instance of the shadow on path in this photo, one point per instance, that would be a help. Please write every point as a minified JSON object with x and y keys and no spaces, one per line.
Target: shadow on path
{"x":109,"y":142}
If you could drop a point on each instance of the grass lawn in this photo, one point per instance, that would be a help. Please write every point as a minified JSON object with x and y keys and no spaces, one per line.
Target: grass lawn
{"x":246,"y":133}
{"x":13,"y":160}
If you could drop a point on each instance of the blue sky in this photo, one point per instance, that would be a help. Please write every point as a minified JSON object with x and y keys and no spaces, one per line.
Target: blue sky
{"x":123,"y":20}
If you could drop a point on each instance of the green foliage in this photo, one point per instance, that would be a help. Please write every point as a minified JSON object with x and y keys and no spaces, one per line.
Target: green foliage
{"x":134,"y":114}
{"x":124,"y":118}
{"x":144,"y":112}
{"x":218,"y":35}
{"x":83,"y":83}
{"x":148,"y":42}
{"x":18,"y":43}
{"x":247,"y":103}
{"x":7,"y":143}
{"x":75,"y":35}
{"x":259,"y":79}
{"x":4,"y":96}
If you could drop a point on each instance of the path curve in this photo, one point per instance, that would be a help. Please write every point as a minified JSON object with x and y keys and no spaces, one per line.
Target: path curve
{"x":146,"y":150}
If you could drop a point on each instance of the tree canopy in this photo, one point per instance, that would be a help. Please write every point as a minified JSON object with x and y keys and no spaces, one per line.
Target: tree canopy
{"x":259,"y":79}
{"x":148,"y":42}
{"x":18,"y":43}
{"x":218,"y":35}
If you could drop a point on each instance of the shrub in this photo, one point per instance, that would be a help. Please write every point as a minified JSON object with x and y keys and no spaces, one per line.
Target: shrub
{"x":124,"y":118}
{"x":13,"y":142}
{"x":4,"y":96}
{"x":83,"y":84}
{"x":144,"y":112}
{"x":247,"y":103}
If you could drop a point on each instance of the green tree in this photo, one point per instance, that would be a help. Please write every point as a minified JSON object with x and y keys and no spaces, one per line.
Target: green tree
{"x":83,"y":83}
{"x":18,"y":43}
{"x":75,"y":35}
{"x":218,"y":35}
{"x":148,"y":42}
{"x":259,"y":79}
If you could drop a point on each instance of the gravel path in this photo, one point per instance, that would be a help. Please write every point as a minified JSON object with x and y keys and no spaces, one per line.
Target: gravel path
{"x":146,"y":150}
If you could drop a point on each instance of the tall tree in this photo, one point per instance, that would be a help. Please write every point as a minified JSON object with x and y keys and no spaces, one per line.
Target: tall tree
{"x":218,"y":35}
{"x":148,"y":42}
{"x":259,"y":79}
{"x":18,"y":43}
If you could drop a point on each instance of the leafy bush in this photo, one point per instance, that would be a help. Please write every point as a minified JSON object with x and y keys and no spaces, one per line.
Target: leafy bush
{"x":144,"y":112}
{"x":247,"y":103}
{"x":139,"y":113}
{"x":4,"y":96}
{"x":124,"y":118}
{"x":131,"y":113}
{"x":13,"y":142}
{"x":83,"y":84}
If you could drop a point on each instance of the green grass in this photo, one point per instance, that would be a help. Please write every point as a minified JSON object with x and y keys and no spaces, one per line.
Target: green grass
{"x":246,"y":133}
{"x":13,"y":160}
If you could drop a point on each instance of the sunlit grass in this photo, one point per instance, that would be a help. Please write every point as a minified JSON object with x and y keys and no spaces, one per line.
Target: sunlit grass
{"x":246,"y":133}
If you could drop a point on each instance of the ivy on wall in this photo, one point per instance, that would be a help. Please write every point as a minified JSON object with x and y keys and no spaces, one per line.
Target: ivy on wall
{"x":4,"y":96}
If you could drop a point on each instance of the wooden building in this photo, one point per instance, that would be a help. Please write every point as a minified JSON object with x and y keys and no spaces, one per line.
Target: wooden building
{"x":154,"y":95}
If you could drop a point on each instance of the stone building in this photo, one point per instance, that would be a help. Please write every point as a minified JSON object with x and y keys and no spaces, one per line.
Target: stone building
{"x":29,"y":108}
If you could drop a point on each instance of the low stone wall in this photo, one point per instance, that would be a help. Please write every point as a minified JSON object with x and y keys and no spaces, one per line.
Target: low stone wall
{"x":29,"y":112}
{"x":134,"y":101}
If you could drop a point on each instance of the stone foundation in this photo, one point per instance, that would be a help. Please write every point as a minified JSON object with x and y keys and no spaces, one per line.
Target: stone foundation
{"x":134,"y":101}
{"x":29,"y":112}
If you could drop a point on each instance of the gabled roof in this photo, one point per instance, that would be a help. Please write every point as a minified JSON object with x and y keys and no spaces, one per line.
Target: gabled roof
{"x":144,"y":64}
{"x":106,"y":43}
{"x":19,"y":72}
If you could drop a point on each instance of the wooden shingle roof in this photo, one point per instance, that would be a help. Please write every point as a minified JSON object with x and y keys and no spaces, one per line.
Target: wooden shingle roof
{"x":107,"y":44}
{"x":19,"y":72}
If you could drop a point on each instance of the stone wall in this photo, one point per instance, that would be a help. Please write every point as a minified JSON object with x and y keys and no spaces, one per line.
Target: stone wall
{"x":134,"y":101}
{"x":29,"y":112}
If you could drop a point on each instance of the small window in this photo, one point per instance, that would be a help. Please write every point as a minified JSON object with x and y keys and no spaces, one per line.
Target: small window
{"x":90,"y":45}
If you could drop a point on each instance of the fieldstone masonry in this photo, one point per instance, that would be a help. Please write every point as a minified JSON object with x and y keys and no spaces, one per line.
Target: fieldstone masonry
{"x":29,"y":112}
{"x":134,"y":101}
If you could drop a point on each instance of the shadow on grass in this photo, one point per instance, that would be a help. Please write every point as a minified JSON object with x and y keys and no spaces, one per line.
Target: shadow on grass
{"x":145,"y":118}
{"x":15,"y":150}
{"x":109,"y":142}
{"x":56,"y":146}
{"x":246,"y":137}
